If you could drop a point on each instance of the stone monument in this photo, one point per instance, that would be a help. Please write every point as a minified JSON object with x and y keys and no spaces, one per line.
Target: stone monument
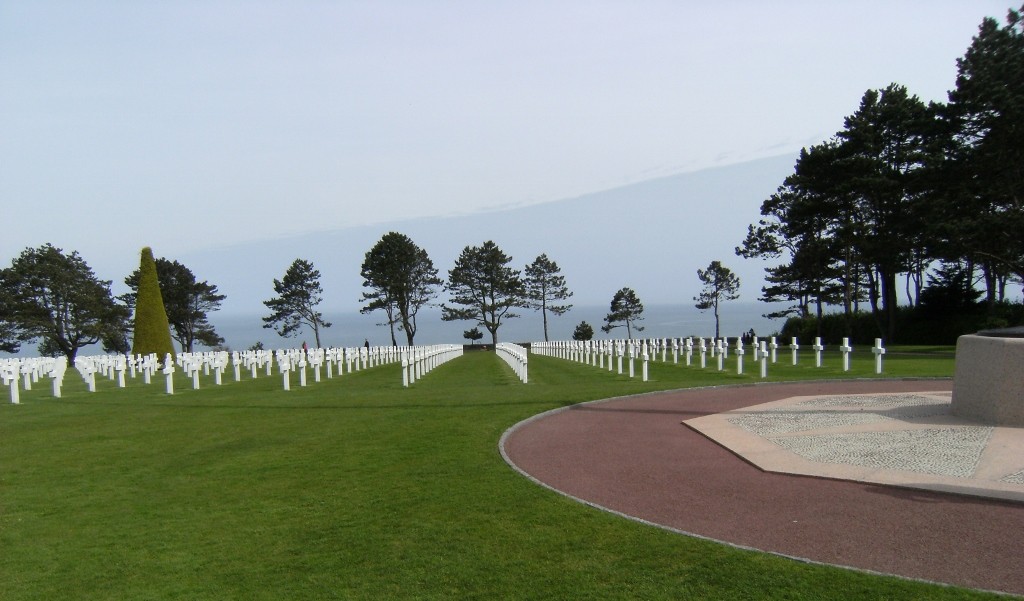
{"x":988,"y":385}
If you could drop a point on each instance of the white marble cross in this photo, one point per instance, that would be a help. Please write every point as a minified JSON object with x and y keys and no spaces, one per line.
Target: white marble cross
{"x":846,"y":349}
{"x":169,"y":373}
{"x":10,"y":379}
{"x":739,"y":356}
{"x":878,"y":351}
{"x":818,"y":348}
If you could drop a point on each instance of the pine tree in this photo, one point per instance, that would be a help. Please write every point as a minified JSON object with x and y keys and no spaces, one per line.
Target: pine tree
{"x":626,"y":310}
{"x":544,"y":287}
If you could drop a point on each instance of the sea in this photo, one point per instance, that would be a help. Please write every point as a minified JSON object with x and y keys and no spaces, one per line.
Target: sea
{"x":659,"y":321}
{"x":242,"y":331}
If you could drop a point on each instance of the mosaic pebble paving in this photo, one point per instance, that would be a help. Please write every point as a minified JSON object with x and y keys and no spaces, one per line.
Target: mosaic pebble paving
{"x":1017,"y":478}
{"x":829,"y":415}
{"x":889,"y":400}
{"x":768,"y":423}
{"x":945,"y":451}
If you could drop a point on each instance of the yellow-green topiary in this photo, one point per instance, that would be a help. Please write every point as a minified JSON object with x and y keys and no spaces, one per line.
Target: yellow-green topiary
{"x":152,"y":333}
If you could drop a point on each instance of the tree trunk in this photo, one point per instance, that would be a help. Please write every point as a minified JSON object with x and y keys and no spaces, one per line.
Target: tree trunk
{"x":819,"y":311}
{"x":990,"y":283}
{"x":889,"y":303}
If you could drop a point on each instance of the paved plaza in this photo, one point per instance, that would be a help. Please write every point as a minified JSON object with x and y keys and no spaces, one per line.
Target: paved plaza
{"x":869,"y":474}
{"x":906,"y":439}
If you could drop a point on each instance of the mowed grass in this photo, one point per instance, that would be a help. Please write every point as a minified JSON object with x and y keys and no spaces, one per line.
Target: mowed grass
{"x":355,"y":488}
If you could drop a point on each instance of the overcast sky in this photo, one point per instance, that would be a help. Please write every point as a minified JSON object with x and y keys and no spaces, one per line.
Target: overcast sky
{"x":182,"y":125}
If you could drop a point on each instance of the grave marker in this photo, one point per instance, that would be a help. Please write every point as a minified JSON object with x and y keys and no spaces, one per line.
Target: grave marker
{"x":739,"y":356}
{"x":169,"y":373}
{"x":846,"y":349}
{"x":878,"y":351}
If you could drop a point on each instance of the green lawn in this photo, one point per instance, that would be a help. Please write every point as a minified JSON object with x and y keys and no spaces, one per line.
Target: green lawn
{"x":357,"y":488}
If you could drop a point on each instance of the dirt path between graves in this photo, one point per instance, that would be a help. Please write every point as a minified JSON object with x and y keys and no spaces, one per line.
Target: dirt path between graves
{"x":634,"y":456}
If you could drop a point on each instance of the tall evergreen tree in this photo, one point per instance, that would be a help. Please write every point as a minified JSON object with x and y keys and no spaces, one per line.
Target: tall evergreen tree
{"x":986,"y":116}
{"x":720,"y":284}
{"x":809,"y":222}
{"x":187,"y":302}
{"x":883,"y":149}
{"x":298,"y":295}
{"x":485,"y":286}
{"x":402,"y":280}
{"x":545,"y":287}
{"x":152,"y":332}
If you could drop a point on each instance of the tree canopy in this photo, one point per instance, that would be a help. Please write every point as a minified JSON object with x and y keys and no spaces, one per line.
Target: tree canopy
{"x":472,"y":334}
{"x":485,"y":286}
{"x":720,"y":284}
{"x":903,"y":187}
{"x":545,"y":288}
{"x":584,"y":331}
{"x":152,"y":332}
{"x":402,"y":280}
{"x":984,"y":160}
{"x":626,"y":310}
{"x":298,"y":295}
{"x":56,"y":299}
{"x":187,"y":302}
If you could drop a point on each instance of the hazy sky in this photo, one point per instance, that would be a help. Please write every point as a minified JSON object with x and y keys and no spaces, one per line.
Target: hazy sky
{"x":183,"y":125}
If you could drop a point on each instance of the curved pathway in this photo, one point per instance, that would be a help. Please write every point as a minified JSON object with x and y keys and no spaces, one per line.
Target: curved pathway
{"x":634,"y":456}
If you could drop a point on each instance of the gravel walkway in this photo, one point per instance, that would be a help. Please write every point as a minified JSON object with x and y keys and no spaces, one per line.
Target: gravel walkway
{"x":634,"y":456}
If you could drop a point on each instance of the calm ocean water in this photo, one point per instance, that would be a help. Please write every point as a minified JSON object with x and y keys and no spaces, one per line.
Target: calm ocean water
{"x":351,"y":329}
{"x":660,"y":321}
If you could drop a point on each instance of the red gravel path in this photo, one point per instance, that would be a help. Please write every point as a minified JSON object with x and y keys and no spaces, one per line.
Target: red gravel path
{"x":634,"y":456}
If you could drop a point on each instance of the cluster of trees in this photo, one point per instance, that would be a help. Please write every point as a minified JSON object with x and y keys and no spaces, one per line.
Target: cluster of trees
{"x":483,"y":286}
{"x":53,"y":297}
{"x":400,"y":279}
{"x":906,"y":187}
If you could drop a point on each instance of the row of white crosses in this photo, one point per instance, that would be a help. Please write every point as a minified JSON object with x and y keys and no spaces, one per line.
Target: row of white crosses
{"x":418,"y":361}
{"x":594,"y":352}
{"x":22,"y":372}
{"x":117,"y":367}
{"x":515,"y":356}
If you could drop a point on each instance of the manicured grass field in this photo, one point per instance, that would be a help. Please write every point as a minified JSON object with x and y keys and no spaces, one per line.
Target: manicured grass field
{"x":358,"y":488}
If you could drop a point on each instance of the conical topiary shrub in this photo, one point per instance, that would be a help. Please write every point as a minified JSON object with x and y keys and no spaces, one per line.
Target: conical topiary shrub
{"x":152,"y":333}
